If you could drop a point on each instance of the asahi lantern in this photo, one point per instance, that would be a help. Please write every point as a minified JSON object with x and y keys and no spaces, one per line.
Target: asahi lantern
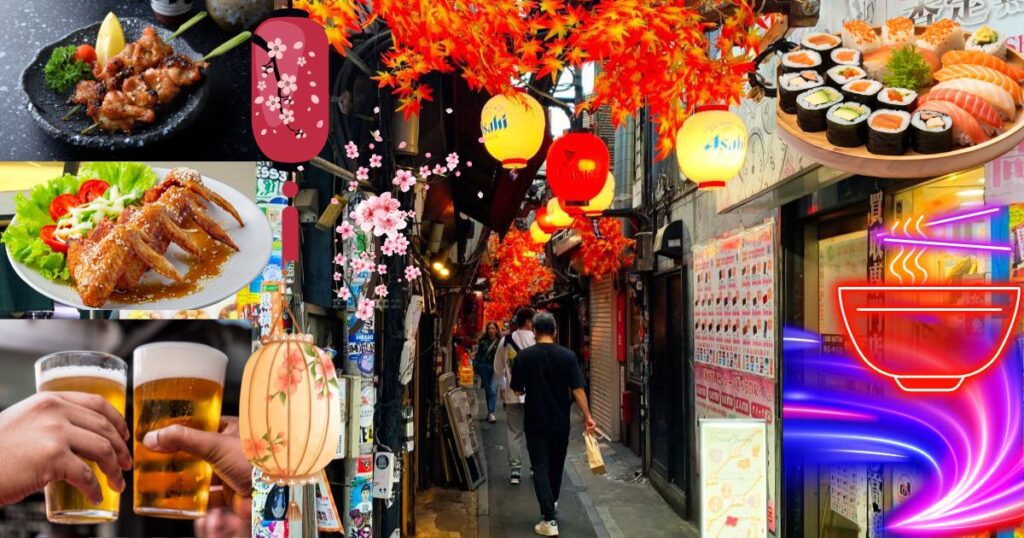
{"x":557,"y":216}
{"x":290,"y":87}
{"x":290,"y":410}
{"x":711,"y":147}
{"x":537,"y":235}
{"x":513,"y":128}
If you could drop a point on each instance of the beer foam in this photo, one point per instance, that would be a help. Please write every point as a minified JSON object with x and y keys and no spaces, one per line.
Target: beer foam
{"x":163,"y":360}
{"x":61,"y":372}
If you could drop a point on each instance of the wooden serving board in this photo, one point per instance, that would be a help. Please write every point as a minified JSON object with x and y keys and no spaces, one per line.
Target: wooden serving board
{"x":859,"y":160}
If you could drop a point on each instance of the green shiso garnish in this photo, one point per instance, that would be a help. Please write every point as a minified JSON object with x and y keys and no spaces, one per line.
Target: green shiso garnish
{"x":907,"y":69}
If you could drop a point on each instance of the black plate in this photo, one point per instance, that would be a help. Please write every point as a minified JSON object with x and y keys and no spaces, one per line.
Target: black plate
{"x":48,"y":107}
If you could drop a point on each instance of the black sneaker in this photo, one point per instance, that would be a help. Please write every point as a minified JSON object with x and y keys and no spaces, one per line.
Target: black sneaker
{"x":515,"y":478}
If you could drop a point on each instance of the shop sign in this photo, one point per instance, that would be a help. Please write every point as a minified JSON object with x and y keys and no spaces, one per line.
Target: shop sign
{"x":733,"y":477}
{"x":1004,"y":177}
{"x":620,"y":326}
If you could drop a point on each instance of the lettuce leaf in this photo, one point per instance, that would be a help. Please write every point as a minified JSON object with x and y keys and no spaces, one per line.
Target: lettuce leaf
{"x":32,"y":212}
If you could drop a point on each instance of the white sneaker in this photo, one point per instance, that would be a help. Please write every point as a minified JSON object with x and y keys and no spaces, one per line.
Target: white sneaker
{"x":546,"y":528}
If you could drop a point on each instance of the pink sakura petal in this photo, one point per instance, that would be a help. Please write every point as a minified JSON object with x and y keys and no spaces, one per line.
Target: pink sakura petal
{"x":401,"y":145}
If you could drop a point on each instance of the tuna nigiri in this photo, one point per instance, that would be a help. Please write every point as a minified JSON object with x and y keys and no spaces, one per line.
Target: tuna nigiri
{"x":975,"y":57}
{"x":1000,"y":99}
{"x":986,"y":74}
{"x":972,"y":104}
{"x":966,"y":130}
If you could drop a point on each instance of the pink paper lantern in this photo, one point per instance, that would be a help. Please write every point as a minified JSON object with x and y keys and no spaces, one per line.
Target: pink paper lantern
{"x":290,"y":88}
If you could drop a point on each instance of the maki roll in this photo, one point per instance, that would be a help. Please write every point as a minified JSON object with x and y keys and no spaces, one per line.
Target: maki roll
{"x":931,"y":131}
{"x":896,"y":98}
{"x":793,"y":84}
{"x":843,"y":56}
{"x":841,"y":74}
{"x":861,"y":91}
{"x":887,"y":132}
{"x":800,"y":60}
{"x":987,"y":40}
{"x":847,"y":124}
{"x":823,"y":44}
{"x":812,"y":105}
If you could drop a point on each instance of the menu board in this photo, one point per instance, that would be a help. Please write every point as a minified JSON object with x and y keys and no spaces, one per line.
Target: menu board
{"x":734,"y":301}
{"x":848,"y":494}
{"x":733,"y":477}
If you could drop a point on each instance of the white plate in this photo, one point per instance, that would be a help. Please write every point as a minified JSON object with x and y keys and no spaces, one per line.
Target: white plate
{"x":254,"y":242}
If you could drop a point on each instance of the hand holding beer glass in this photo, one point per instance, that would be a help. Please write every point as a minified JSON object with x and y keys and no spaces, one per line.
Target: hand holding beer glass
{"x":100,"y":374}
{"x":174,"y":383}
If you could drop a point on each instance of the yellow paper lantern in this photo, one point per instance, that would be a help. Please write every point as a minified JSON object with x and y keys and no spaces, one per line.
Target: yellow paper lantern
{"x":539,"y":236}
{"x":557,"y":217}
{"x":711,"y":146}
{"x":290,"y":409}
{"x":513,"y":128}
{"x":603,"y":199}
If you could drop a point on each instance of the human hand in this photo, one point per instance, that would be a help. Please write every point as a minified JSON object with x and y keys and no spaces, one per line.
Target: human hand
{"x":589,"y":424}
{"x":221,"y":523}
{"x":222,"y":450}
{"x":45,"y":437}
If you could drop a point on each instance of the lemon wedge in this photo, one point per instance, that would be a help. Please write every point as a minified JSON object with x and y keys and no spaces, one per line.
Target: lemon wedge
{"x":110,"y":40}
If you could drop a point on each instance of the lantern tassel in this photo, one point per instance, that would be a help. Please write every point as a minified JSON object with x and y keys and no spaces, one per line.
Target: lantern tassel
{"x":294,"y":513}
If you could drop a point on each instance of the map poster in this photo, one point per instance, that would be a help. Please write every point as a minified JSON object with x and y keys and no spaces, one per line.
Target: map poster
{"x":733,"y":477}
{"x":725,"y":393}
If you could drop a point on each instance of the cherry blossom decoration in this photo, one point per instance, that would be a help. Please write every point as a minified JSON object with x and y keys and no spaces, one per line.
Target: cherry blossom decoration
{"x":290,"y":91}
{"x":381,"y":217}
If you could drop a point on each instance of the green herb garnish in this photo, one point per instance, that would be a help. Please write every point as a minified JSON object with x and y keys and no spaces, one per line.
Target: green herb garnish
{"x":907,"y":69}
{"x":63,"y":71}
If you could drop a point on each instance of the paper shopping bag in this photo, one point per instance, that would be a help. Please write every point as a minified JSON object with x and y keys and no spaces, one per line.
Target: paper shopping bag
{"x":594,"y":453}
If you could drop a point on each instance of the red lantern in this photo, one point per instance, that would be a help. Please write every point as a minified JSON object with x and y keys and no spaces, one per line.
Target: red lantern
{"x":577,"y":167}
{"x":541,"y":218}
{"x":290,"y":87}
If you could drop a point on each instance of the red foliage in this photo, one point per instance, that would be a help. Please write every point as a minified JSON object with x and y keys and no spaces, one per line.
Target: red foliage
{"x":653,"y":53}
{"x":516,"y":274}
{"x":605,"y":255}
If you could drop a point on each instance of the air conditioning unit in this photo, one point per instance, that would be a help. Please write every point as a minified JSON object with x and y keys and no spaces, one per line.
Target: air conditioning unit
{"x":643,"y":249}
{"x":565,"y":240}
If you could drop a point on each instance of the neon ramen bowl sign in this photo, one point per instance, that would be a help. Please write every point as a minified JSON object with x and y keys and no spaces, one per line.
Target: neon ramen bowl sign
{"x":932,"y":338}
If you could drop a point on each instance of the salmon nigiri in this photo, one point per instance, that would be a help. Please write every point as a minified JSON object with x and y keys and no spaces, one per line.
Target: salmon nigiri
{"x":966,"y":130}
{"x":986,"y":74}
{"x":1000,"y":99}
{"x":976,"y":57}
{"x":972,"y":104}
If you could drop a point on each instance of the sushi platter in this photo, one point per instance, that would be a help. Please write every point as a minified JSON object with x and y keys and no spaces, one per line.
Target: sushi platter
{"x":902,"y":101}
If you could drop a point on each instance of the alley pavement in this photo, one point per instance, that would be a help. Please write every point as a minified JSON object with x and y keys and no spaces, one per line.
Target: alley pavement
{"x":617,"y":504}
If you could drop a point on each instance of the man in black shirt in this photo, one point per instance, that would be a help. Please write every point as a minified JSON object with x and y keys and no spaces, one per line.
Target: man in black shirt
{"x":550,"y":377}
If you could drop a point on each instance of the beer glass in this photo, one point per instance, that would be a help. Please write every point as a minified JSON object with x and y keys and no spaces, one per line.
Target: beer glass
{"x":94,"y":373}
{"x":174,"y":383}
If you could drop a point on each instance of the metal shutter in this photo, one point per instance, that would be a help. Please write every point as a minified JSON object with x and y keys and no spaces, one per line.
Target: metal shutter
{"x":605,"y":394}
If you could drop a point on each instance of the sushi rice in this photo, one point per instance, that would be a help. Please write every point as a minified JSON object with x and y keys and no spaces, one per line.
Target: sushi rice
{"x":896,"y":98}
{"x":861,"y":91}
{"x":931,"y":131}
{"x":841,"y":74}
{"x":812,"y":106}
{"x":887,"y":132}
{"x":793,"y":84}
{"x":799,"y":60}
{"x":844,"y":56}
{"x":847,"y":124}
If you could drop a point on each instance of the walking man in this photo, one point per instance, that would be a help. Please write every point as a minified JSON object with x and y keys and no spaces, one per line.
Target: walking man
{"x":550,"y":378}
{"x":508,"y":350}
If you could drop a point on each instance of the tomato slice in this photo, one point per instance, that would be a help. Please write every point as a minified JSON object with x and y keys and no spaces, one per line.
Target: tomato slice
{"x":92,"y":189}
{"x":85,"y":53}
{"x":62,"y":204}
{"x":46,"y":234}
